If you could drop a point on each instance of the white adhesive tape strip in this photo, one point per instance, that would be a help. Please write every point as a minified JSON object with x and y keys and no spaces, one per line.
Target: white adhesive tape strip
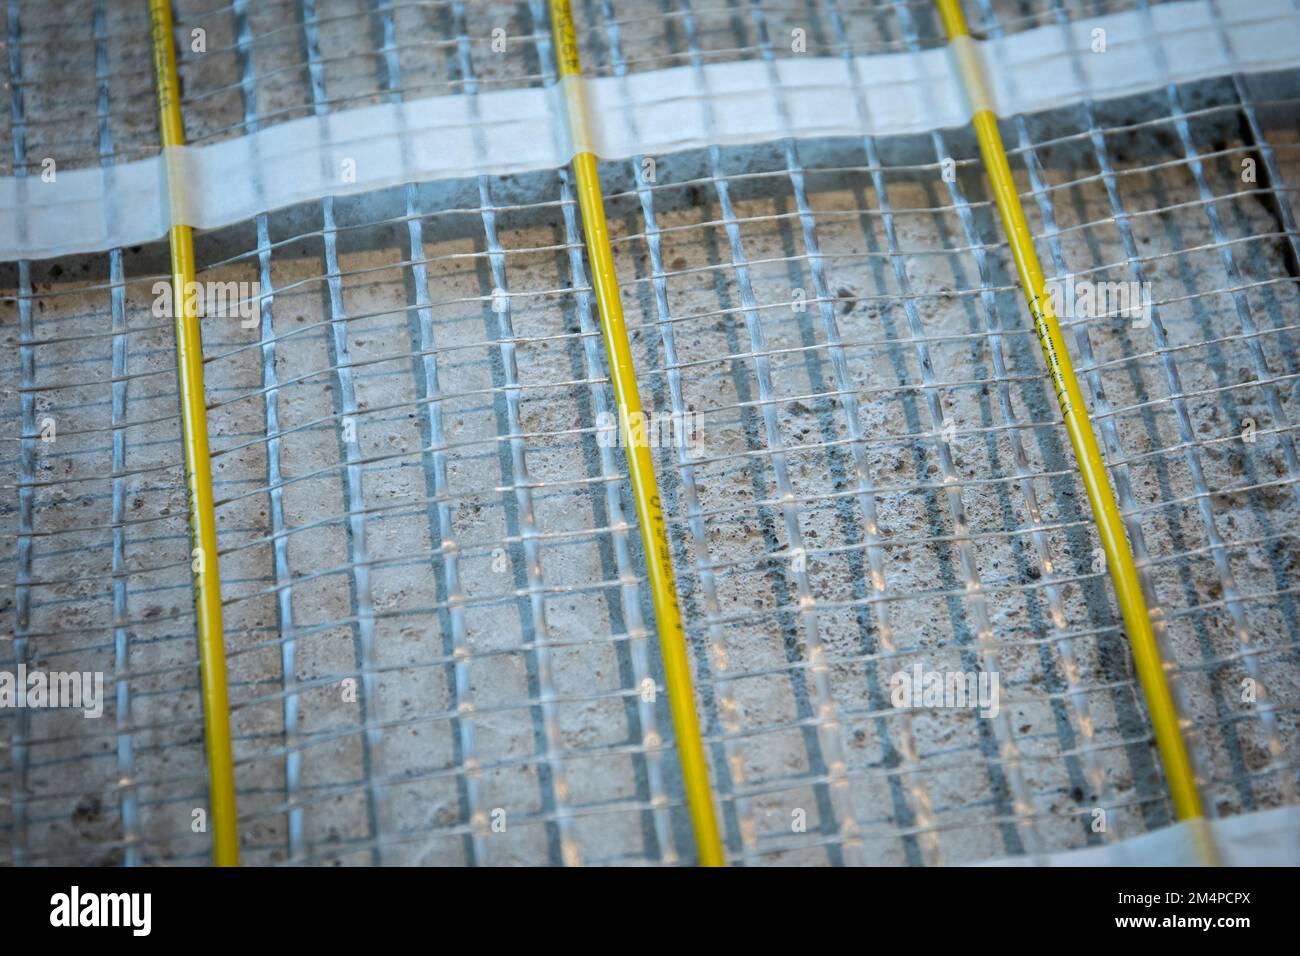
{"x":966,"y":64}
{"x":651,"y":113}
{"x":180,"y":174}
{"x":1260,"y":838}
{"x":574,"y":116}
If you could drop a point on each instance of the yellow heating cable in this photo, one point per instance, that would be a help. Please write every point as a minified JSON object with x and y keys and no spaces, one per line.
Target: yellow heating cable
{"x":1092,"y":469}
{"x":645,"y":487}
{"x":194,"y":428}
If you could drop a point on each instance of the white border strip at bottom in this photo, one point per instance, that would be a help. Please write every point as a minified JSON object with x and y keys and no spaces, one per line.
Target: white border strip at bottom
{"x":649,"y":114}
{"x":1262,"y":838}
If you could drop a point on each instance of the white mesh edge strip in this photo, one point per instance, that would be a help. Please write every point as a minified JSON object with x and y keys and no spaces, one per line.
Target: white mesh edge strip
{"x":438,"y":138}
{"x":1261,"y":838}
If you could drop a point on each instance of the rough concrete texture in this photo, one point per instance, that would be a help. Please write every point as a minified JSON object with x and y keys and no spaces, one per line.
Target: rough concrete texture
{"x":431,"y":635}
